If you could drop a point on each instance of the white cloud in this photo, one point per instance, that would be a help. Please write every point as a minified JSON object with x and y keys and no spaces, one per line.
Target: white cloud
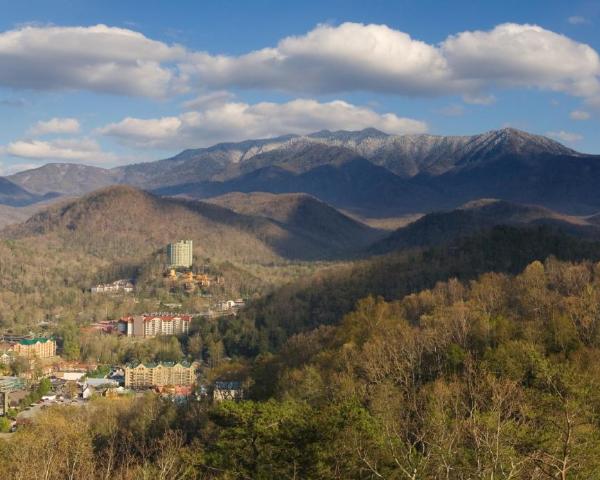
{"x":567,"y":137}
{"x":512,"y":55}
{"x":358,"y":57}
{"x":327,"y":59}
{"x":149,"y":133}
{"x":577,"y":20}
{"x":97,"y":58}
{"x":351,"y":56}
{"x":55,"y":125}
{"x":238,"y":121}
{"x":71,"y":150}
{"x":579,"y":115}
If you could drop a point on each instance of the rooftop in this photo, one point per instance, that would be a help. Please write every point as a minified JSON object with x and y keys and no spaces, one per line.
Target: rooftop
{"x":33,"y":341}
{"x":183,"y":363}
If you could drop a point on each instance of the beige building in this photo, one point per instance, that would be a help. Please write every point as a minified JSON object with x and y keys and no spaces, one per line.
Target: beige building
{"x":144,"y":375}
{"x":152,"y":325}
{"x":39,"y":347}
{"x":180,"y":254}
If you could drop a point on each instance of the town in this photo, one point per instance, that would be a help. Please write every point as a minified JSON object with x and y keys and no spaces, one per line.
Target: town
{"x":39,"y":369}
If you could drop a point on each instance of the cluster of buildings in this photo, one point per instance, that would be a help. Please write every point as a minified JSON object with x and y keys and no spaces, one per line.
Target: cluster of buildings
{"x":152,"y":325}
{"x":177,"y":378}
{"x":118,"y":286}
{"x":191,"y":281}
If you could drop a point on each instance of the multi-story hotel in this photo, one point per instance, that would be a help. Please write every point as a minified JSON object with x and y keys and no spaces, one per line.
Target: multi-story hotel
{"x":180,"y":254}
{"x":145,"y":375}
{"x":39,"y":347}
{"x":152,"y":325}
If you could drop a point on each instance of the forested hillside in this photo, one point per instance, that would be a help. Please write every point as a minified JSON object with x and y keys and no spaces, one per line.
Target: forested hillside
{"x":325,"y":297}
{"x":491,"y":378}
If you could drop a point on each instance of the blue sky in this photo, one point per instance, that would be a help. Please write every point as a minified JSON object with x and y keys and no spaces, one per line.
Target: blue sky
{"x":161,"y":76}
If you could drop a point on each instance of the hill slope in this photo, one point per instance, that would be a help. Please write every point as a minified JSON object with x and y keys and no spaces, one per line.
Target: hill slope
{"x":304,"y":214}
{"x":476,"y":216}
{"x":124,"y":224}
{"x":323,"y":299}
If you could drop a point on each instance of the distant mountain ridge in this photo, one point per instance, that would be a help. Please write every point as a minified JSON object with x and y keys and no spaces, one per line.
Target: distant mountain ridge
{"x":404,"y":155}
{"x":479,"y":216}
{"x":367,"y":172}
{"x":64,"y":178}
{"x":14,"y":195}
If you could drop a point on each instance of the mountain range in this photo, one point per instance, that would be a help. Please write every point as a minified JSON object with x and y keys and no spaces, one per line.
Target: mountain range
{"x":125,"y":225}
{"x":369,"y":173}
{"x":310,"y":197}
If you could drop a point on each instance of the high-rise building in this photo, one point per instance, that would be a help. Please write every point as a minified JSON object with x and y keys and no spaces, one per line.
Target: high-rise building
{"x":151,"y":325}
{"x":40,"y":347}
{"x":180,"y":254}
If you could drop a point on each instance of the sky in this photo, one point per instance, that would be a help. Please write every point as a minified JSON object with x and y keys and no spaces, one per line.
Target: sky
{"x":106,"y":83}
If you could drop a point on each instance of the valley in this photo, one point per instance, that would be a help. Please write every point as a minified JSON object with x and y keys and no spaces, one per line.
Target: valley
{"x":323,"y":272}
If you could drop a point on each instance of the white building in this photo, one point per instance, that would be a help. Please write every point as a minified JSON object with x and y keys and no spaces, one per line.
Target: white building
{"x":115,"y":287}
{"x":180,"y":254}
{"x":152,"y":325}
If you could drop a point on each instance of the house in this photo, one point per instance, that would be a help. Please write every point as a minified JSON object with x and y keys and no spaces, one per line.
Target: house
{"x":227,"y":305}
{"x":7,"y":357}
{"x":227,"y":390}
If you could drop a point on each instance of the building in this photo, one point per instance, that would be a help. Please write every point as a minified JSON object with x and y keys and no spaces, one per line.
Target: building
{"x":39,"y":347}
{"x":69,"y":376}
{"x":180,"y":254}
{"x":227,"y":391}
{"x":11,"y":391}
{"x":9,"y":384}
{"x":125,"y":286}
{"x":152,"y":325}
{"x":146,"y":375}
{"x":6,"y":358}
